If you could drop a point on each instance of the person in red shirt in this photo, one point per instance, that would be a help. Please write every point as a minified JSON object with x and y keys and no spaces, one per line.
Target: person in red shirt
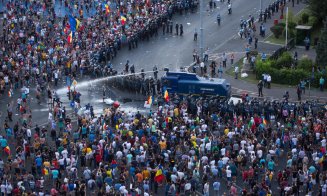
{"x":98,"y":158}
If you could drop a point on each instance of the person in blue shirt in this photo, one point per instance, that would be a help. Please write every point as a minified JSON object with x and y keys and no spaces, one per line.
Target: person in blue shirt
{"x":271,"y":165}
{"x":3,"y":142}
{"x":321,"y":83}
{"x":38,"y":162}
{"x":216,"y":187}
{"x":220,"y":167}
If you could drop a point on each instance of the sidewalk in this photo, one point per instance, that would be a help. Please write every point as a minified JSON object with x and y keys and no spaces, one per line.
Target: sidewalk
{"x":277,"y":91}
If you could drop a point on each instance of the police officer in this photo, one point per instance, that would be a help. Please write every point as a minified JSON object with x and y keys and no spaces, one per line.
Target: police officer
{"x":132,"y":69}
{"x":142,"y":73}
{"x":218,"y":19}
{"x":127,"y":66}
{"x":155,"y":72}
{"x":170,"y":26}
{"x":181,"y":29}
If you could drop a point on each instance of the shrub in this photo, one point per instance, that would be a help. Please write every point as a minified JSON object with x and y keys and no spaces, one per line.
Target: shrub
{"x":305,"y":64}
{"x":285,"y":60}
{"x":280,"y":76}
{"x":277,"y":30}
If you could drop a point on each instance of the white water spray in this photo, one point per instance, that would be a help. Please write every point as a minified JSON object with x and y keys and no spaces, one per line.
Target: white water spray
{"x":87,"y":83}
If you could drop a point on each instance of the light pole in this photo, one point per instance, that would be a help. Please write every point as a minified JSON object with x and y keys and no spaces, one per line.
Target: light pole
{"x":286,"y":27}
{"x":201,"y":29}
{"x":260,"y":9}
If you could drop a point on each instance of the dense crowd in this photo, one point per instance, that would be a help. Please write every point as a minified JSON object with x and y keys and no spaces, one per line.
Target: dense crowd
{"x":180,"y":146}
{"x":35,"y":44}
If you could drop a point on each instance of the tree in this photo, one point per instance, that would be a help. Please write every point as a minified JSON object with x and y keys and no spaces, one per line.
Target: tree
{"x":318,"y":8}
{"x":321,"y":49}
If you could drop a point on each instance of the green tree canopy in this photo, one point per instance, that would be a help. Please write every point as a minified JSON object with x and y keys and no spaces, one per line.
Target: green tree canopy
{"x":321,"y":49}
{"x":318,"y":8}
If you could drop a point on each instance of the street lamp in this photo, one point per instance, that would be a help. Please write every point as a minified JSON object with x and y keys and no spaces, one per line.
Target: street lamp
{"x":260,"y":10}
{"x":201,"y":28}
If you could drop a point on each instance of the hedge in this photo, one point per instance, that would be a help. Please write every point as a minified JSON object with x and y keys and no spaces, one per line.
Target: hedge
{"x":280,"y":76}
{"x":288,"y":76}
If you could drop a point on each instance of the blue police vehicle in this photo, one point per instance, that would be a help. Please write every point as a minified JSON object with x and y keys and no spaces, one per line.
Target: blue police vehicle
{"x":190,"y":83}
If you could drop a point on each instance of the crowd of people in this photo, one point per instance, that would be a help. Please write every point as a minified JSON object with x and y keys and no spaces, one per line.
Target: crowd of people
{"x":180,"y":146}
{"x":35,"y":41}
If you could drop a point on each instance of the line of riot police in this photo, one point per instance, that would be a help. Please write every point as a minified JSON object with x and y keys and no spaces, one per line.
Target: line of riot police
{"x":270,"y":110}
{"x":138,"y":84}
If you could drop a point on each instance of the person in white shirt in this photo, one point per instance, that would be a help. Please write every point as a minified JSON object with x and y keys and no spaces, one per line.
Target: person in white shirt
{"x":268,"y":81}
{"x":64,"y":153}
{"x":236,"y":70}
{"x":206,"y":189}
{"x":323,"y":142}
{"x":202,"y":67}
{"x":225,"y":160}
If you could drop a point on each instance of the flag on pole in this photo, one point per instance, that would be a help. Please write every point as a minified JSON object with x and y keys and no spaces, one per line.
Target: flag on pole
{"x":150,"y":100}
{"x":10,"y":93}
{"x":107,"y":9}
{"x":7,"y":150}
{"x":148,"y":103}
{"x":122,"y":20}
{"x":159,"y":177}
{"x":70,"y":37}
{"x":74,"y":23}
{"x":264,"y":121}
{"x":166,"y":96}
{"x":104,"y":126}
{"x":66,"y":30}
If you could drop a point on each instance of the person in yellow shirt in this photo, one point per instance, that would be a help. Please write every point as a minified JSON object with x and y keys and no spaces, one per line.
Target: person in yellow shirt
{"x":46,"y":164}
{"x":146,"y":174}
{"x":176,"y":112}
{"x":226,"y":131}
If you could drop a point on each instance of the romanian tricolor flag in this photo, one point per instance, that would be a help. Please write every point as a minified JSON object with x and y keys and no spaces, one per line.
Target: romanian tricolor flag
{"x":159,"y":176}
{"x":10,"y":93}
{"x":66,"y":30}
{"x":104,"y":127}
{"x":70,"y":38}
{"x":122,"y":20}
{"x":107,"y":9}
{"x":45,"y":171}
{"x":264,"y":121}
{"x":150,"y":100}
{"x":166,"y":96}
{"x":7,"y":150}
